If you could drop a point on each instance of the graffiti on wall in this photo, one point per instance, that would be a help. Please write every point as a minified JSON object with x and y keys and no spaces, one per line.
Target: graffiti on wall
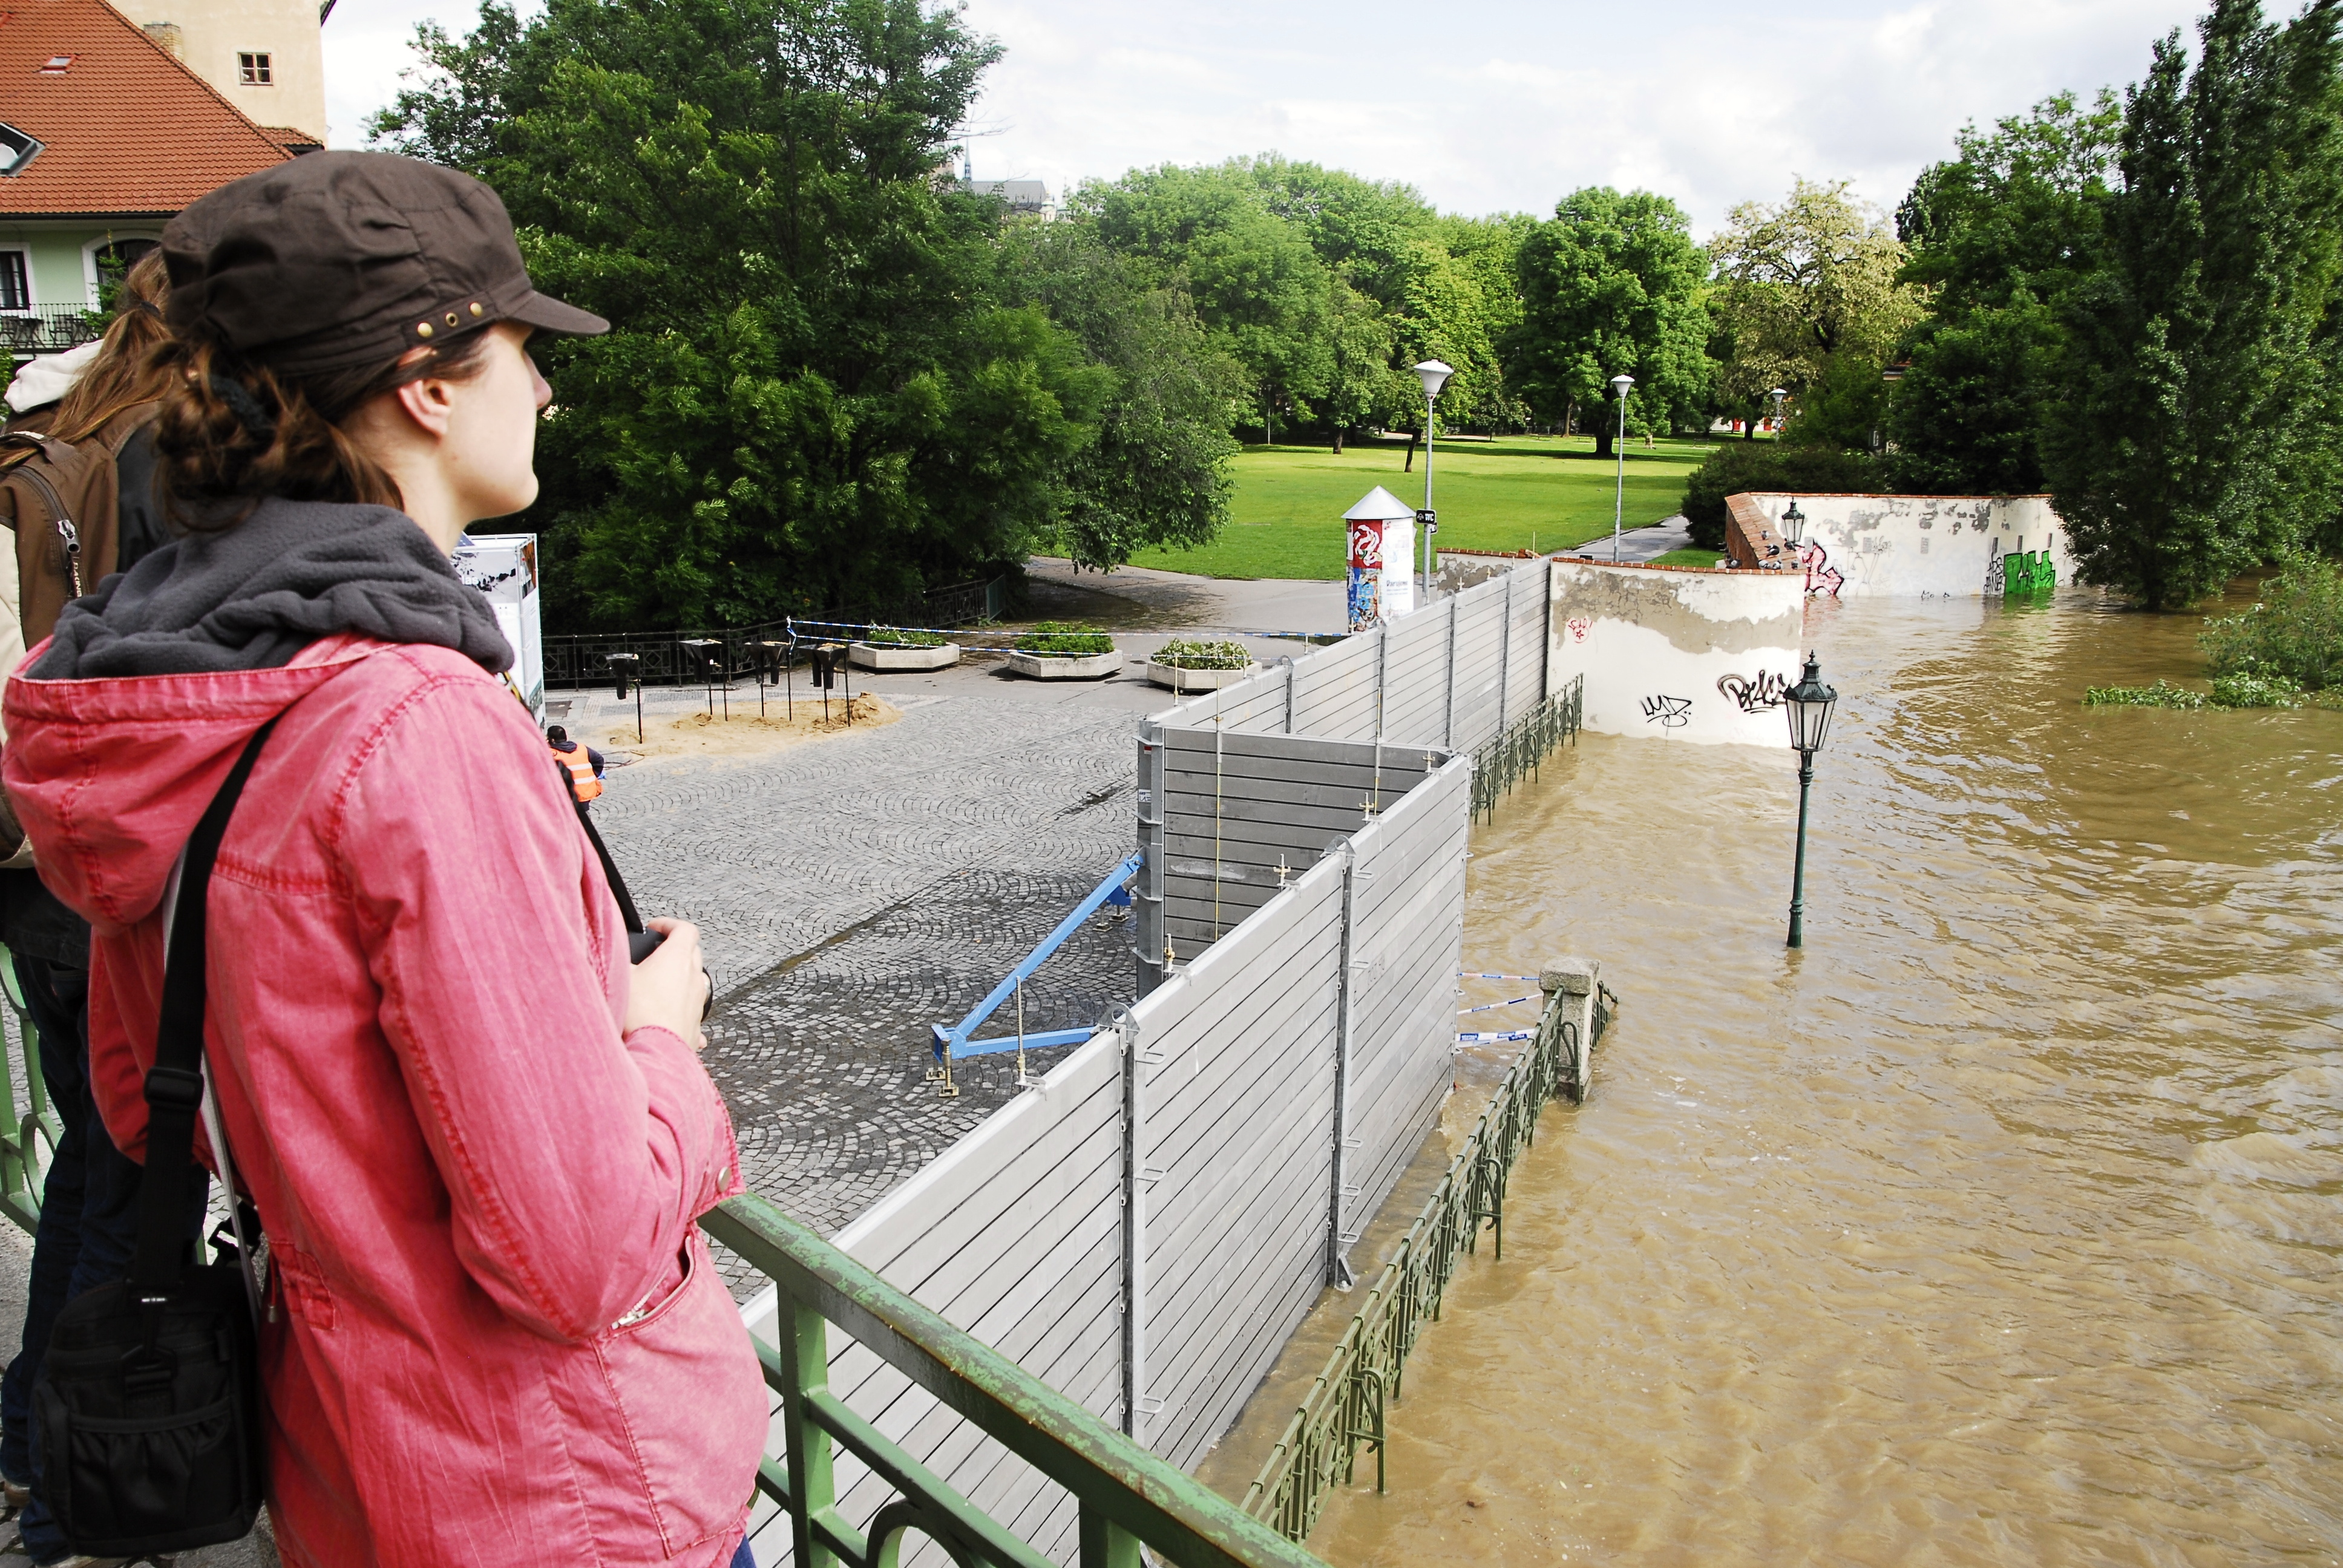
{"x":1821,"y":576}
{"x":1667,"y":712}
{"x":1758,"y":696}
{"x":1578,"y":626}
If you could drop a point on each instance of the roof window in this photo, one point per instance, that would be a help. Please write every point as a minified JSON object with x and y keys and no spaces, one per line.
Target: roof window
{"x":58,"y":65}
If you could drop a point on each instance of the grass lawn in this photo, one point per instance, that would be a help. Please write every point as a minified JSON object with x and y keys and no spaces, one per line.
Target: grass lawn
{"x":1689,"y":559}
{"x":1519,"y":492}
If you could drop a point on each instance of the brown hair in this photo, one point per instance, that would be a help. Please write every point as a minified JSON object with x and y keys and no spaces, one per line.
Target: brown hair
{"x":123,"y":374}
{"x":232,"y":430}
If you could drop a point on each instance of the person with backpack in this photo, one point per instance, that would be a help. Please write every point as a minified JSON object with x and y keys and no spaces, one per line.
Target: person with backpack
{"x":478,"y":1140}
{"x":73,"y":522}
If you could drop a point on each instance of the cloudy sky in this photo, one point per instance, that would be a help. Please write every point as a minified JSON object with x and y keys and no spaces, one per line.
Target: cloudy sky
{"x":1485,"y":105}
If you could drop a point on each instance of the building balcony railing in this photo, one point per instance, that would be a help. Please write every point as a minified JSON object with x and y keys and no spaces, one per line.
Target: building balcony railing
{"x":48,"y":328}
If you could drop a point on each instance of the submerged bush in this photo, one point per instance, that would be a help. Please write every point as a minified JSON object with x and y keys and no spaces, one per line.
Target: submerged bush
{"x":2294,"y":632}
{"x":1065,"y":636}
{"x":2245,"y":688}
{"x":2156,"y":696}
{"x":1181,"y":654}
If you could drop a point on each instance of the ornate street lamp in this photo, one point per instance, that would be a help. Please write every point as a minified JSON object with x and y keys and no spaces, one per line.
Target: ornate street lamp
{"x":1619,"y":383}
{"x":1793,"y":526}
{"x":1434,"y":375}
{"x":1808,"y":705}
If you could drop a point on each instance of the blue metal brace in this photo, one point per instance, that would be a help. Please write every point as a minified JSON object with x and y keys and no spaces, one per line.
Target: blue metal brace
{"x":954,"y":1041}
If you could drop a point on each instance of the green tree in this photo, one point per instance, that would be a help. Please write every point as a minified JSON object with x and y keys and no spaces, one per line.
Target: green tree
{"x":1801,"y":284}
{"x":1258,"y":287}
{"x":1612,"y":283}
{"x":1155,"y":471}
{"x":2194,"y":432}
{"x":1997,"y":236}
{"x":814,"y":394}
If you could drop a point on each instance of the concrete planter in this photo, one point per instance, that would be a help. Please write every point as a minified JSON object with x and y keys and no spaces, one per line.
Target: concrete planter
{"x":1065,"y":665}
{"x":884,"y":656}
{"x":1186,"y":681}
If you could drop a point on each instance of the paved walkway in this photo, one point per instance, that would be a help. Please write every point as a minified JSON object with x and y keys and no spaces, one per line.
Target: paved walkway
{"x":854,"y":890}
{"x":1642,"y":544}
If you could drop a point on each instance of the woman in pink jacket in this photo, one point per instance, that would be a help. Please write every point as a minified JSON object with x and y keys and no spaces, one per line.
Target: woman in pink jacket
{"x":476,"y":1138}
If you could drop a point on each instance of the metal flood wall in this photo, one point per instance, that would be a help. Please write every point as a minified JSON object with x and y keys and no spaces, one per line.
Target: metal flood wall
{"x":1242,"y":815}
{"x":1453,"y":674}
{"x":1147,"y":1227}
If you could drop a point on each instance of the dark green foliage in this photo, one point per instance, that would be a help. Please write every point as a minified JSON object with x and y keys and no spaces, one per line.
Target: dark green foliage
{"x":1154,"y":473}
{"x":1770,"y":467}
{"x":824,"y":387}
{"x":2193,"y":431}
{"x":1997,"y":235}
{"x":2294,"y":631}
{"x":1844,"y":408}
{"x":1258,"y":287}
{"x":1610,"y":285}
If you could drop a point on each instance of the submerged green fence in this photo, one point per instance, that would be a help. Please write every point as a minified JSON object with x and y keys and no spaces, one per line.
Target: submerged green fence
{"x":1129,"y":1498}
{"x":1508,"y":759}
{"x":1344,"y":1409}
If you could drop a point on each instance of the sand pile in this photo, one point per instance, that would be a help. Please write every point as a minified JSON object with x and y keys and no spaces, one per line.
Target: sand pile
{"x":745,"y":734}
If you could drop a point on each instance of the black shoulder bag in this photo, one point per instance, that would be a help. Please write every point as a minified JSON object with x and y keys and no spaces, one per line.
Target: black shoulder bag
{"x":146,"y":1415}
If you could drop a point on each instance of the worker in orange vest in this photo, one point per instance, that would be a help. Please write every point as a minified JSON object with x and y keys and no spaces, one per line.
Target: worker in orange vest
{"x":585,"y":763}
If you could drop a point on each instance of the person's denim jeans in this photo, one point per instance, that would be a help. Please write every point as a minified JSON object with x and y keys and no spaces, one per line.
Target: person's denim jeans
{"x":744,"y":1558}
{"x":89,"y":1217}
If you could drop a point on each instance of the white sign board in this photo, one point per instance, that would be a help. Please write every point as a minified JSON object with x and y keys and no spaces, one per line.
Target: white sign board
{"x":503,"y":566}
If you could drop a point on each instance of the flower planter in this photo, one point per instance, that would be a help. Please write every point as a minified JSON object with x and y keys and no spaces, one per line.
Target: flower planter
{"x":888,"y":656}
{"x":1185,"y":680}
{"x":1065,"y":665}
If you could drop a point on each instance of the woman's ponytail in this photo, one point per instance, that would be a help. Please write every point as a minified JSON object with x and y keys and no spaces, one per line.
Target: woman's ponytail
{"x":231,"y":431}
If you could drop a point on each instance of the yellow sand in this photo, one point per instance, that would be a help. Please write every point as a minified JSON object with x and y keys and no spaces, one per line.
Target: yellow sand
{"x":745,"y":735}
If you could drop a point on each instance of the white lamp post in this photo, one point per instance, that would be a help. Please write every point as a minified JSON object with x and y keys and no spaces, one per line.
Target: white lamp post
{"x":1434,"y":375}
{"x":1619,"y":383}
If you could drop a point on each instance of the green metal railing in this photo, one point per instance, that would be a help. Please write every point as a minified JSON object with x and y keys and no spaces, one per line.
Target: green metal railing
{"x":26,"y":1140}
{"x":1506,"y":760}
{"x":1128,"y":1496}
{"x":1344,"y":1409}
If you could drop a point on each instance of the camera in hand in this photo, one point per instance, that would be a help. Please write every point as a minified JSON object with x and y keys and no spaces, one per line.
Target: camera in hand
{"x":641,"y":945}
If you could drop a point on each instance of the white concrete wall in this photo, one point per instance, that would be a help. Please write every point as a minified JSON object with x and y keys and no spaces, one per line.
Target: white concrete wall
{"x":1677,"y":655}
{"x":1919,"y":547}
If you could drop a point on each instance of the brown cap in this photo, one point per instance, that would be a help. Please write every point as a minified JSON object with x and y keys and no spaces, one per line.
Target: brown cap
{"x":339,"y":260}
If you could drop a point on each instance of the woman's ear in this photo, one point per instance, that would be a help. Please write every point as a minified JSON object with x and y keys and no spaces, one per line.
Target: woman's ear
{"x":430,"y":403}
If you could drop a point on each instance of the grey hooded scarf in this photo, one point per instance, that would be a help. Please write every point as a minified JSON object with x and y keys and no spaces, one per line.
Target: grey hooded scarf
{"x":253,"y":596}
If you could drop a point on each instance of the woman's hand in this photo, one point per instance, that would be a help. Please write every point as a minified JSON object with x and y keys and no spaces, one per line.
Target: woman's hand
{"x":670,"y":987}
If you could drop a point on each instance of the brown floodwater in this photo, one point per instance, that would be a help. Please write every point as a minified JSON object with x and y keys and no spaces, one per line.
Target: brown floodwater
{"x":2000,"y":1225}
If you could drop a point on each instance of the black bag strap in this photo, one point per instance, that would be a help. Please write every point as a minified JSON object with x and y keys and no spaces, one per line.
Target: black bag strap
{"x":601,"y":850}
{"x":174,"y":1084}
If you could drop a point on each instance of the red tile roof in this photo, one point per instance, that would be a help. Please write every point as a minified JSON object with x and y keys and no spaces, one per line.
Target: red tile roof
{"x":128,"y":128}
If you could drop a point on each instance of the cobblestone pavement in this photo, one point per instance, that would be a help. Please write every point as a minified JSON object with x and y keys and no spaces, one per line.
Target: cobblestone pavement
{"x":854,"y":891}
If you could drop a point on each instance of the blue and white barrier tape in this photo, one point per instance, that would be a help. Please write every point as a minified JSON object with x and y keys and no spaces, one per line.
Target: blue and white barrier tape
{"x":1492,"y":1006}
{"x":1485,"y":1039}
{"x":1476,"y":974}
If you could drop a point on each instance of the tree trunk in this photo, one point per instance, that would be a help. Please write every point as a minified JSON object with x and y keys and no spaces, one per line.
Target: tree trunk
{"x":1602,"y":440}
{"x":1413,"y":437}
{"x":1338,"y":440}
{"x":1749,"y":430}
{"x":1569,"y":417}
